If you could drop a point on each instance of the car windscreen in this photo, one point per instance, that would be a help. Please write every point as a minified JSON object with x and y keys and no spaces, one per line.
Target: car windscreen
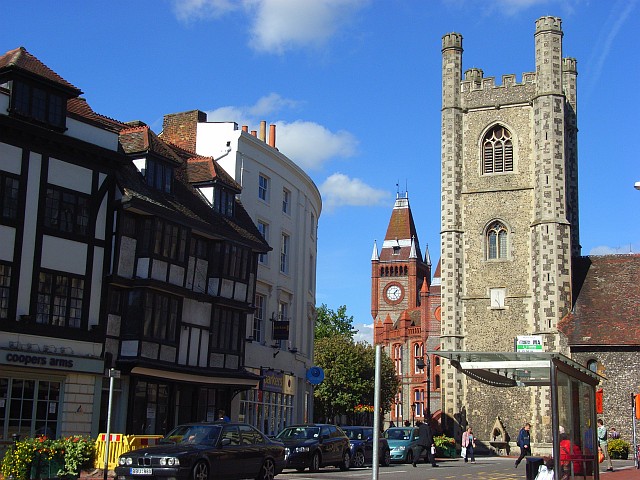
{"x":299,"y":433}
{"x":354,"y":433}
{"x":193,"y":434}
{"x":397,"y":434}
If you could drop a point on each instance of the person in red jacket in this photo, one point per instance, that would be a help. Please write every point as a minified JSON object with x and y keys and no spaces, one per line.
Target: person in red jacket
{"x":570,"y":453}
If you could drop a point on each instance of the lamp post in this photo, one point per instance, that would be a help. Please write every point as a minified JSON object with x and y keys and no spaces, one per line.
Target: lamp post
{"x":413,"y":414}
{"x":420,"y":363}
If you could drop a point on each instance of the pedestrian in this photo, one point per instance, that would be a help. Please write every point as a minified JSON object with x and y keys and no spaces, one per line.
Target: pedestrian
{"x":469,"y":443}
{"x":602,"y":443}
{"x":222,"y":417}
{"x":614,"y":434}
{"x":425,"y":442}
{"x":524,"y":442}
{"x":407,"y":423}
{"x":391,"y":424}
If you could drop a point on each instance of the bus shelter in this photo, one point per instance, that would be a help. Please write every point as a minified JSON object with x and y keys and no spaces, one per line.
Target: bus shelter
{"x":573,"y":406}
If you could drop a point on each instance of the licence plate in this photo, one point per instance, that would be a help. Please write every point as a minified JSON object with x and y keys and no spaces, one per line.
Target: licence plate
{"x":141,"y":471}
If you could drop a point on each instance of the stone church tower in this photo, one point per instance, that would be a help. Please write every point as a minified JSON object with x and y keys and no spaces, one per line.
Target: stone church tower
{"x":509,"y":222}
{"x":405,"y":306}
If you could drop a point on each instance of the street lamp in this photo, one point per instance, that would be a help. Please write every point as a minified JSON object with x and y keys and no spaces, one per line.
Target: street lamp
{"x":420,"y":363}
{"x":413,"y":414}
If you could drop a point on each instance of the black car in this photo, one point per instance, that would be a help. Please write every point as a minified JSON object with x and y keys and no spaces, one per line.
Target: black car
{"x":200,"y":451}
{"x":361,"y":440}
{"x":315,"y":445}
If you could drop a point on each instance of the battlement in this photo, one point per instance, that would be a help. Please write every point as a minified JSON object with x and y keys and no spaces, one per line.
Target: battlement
{"x":452,"y":40}
{"x":549,"y":23}
{"x":474,"y":80}
{"x":570,"y":65}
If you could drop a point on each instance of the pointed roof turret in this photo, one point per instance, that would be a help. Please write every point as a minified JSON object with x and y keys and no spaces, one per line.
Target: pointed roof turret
{"x":427,"y":257}
{"x":401,"y":241}
{"x":374,"y":255}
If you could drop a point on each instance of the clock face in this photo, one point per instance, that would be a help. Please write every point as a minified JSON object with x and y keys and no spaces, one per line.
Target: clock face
{"x":394,"y":292}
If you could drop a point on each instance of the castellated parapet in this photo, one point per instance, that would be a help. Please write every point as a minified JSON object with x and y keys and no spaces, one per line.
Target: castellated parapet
{"x":451,"y":40}
{"x":549,"y":23}
{"x":479,"y":92}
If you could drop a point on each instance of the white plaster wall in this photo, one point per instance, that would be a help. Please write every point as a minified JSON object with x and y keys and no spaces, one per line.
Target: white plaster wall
{"x":196,"y":313}
{"x":101,"y":219}
{"x":70,"y":176}
{"x":64,"y":255}
{"x":10,"y":158}
{"x":91,"y":134}
{"x":30,"y":219}
{"x":126,"y":259}
{"x":4,"y":103}
{"x":7,"y":240}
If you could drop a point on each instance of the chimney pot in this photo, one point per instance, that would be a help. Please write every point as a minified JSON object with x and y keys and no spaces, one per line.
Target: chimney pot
{"x":272,"y":136}
{"x":263,"y":130}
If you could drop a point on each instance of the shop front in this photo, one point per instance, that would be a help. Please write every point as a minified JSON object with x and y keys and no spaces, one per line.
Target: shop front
{"x":270,"y":407}
{"x":43,"y":393}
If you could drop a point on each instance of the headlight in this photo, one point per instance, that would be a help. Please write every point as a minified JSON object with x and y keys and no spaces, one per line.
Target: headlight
{"x":401,"y":447}
{"x":129,"y":460}
{"x":121,"y":461}
{"x":169,"y":461}
{"x":301,"y":449}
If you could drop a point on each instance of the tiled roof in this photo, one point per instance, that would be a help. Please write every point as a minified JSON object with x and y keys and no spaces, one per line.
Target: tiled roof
{"x":401,"y":227}
{"x":141,"y":139}
{"x":79,"y":109}
{"x":20,"y":59}
{"x":184,"y":201}
{"x":606,"y":301}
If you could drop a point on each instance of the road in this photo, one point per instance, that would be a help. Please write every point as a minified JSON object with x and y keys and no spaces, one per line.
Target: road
{"x":485,"y":468}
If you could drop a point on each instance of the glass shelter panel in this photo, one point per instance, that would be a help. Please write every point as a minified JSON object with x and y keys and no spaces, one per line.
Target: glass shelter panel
{"x":577,"y":444}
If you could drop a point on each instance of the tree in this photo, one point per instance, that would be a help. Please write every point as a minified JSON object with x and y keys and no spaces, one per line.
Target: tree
{"x":330,"y":323}
{"x":350,"y":377}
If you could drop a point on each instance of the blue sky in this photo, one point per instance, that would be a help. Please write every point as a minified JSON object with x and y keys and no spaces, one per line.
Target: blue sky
{"x":354,"y":87}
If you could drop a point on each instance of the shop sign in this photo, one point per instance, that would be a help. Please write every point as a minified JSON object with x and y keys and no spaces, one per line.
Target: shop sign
{"x":20,"y":358}
{"x":273,"y":380}
{"x":289,"y":385}
{"x":529,"y":343}
{"x":281,"y":330}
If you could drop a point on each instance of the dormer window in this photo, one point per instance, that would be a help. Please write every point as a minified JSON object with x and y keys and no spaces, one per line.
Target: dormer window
{"x":224,"y":201}
{"x":159,"y":176}
{"x":39,"y":104}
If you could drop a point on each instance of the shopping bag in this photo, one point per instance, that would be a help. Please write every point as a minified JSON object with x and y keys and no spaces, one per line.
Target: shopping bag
{"x":463,"y":452}
{"x":600,"y":455}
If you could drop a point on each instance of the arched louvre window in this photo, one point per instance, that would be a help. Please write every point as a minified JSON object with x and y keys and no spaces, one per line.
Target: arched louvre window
{"x":496,"y":241}
{"x":497,"y":151}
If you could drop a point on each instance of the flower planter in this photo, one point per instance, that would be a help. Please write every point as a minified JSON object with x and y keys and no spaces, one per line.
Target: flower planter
{"x":45,"y":467}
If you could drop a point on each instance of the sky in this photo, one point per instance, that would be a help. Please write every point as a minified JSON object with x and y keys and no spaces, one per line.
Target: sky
{"x":354,"y":87}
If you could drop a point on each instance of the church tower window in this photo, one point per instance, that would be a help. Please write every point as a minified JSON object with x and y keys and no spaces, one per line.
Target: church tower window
{"x":496,"y":241}
{"x":497,"y":151}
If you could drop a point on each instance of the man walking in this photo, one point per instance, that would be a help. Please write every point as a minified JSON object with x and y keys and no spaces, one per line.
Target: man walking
{"x":524,"y":442}
{"x":425,"y":441}
{"x":603,"y":443}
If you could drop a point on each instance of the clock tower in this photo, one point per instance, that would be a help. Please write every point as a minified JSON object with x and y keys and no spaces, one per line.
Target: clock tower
{"x":405,"y":305}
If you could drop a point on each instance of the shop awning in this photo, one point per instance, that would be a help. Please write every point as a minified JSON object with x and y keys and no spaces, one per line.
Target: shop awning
{"x":511,"y":369}
{"x":247,"y":379}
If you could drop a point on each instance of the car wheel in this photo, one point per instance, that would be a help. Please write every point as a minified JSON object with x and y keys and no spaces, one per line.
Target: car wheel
{"x":315,"y":462}
{"x":200,"y":471}
{"x":346,"y":461}
{"x":386,"y":458}
{"x":267,"y":471}
{"x":358,"y":459}
{"x":409,"y":457}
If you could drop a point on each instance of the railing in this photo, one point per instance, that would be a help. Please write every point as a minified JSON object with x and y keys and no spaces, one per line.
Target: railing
{"x":119,"y":444}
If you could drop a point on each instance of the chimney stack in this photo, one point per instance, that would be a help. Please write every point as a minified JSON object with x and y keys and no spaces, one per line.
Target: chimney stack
{"x":263,"y":131}
{"x":245,"y":128}
{"x":272,"y":136}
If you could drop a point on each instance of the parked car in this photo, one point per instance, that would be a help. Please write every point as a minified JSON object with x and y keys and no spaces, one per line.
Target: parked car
{"x":200,"y":451}
{"x":315,"y":445}
{"x":361,"y":440}
{"x":403,"y":442}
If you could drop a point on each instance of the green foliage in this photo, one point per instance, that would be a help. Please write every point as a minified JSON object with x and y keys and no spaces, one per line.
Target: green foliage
{"x":618,"y":448}
{"x":76,"y":451}
{"x":330,"y":323}
{"x":442,"y":441}
{"x":350,"y":377}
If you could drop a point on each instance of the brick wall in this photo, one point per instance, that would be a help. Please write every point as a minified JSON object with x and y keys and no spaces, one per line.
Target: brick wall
{"x":181,"y":128}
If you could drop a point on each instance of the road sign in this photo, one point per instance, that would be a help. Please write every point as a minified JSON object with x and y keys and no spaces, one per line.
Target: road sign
{"x":528,"y":343}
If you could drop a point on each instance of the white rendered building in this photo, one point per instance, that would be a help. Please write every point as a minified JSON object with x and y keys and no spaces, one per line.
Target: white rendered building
{"x":285,"y":204}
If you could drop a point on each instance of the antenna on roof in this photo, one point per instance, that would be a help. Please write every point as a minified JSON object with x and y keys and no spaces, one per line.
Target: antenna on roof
{"x":398,"y":188}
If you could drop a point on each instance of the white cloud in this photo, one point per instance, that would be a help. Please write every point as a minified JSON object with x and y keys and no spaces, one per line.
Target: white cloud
{"x":281,"y":25}
{"x":309,"y":144}
{"x":339,"y":191}
{"x":607,"y":250}
{"x":187,"y":10}
{"x":365,"y":335}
